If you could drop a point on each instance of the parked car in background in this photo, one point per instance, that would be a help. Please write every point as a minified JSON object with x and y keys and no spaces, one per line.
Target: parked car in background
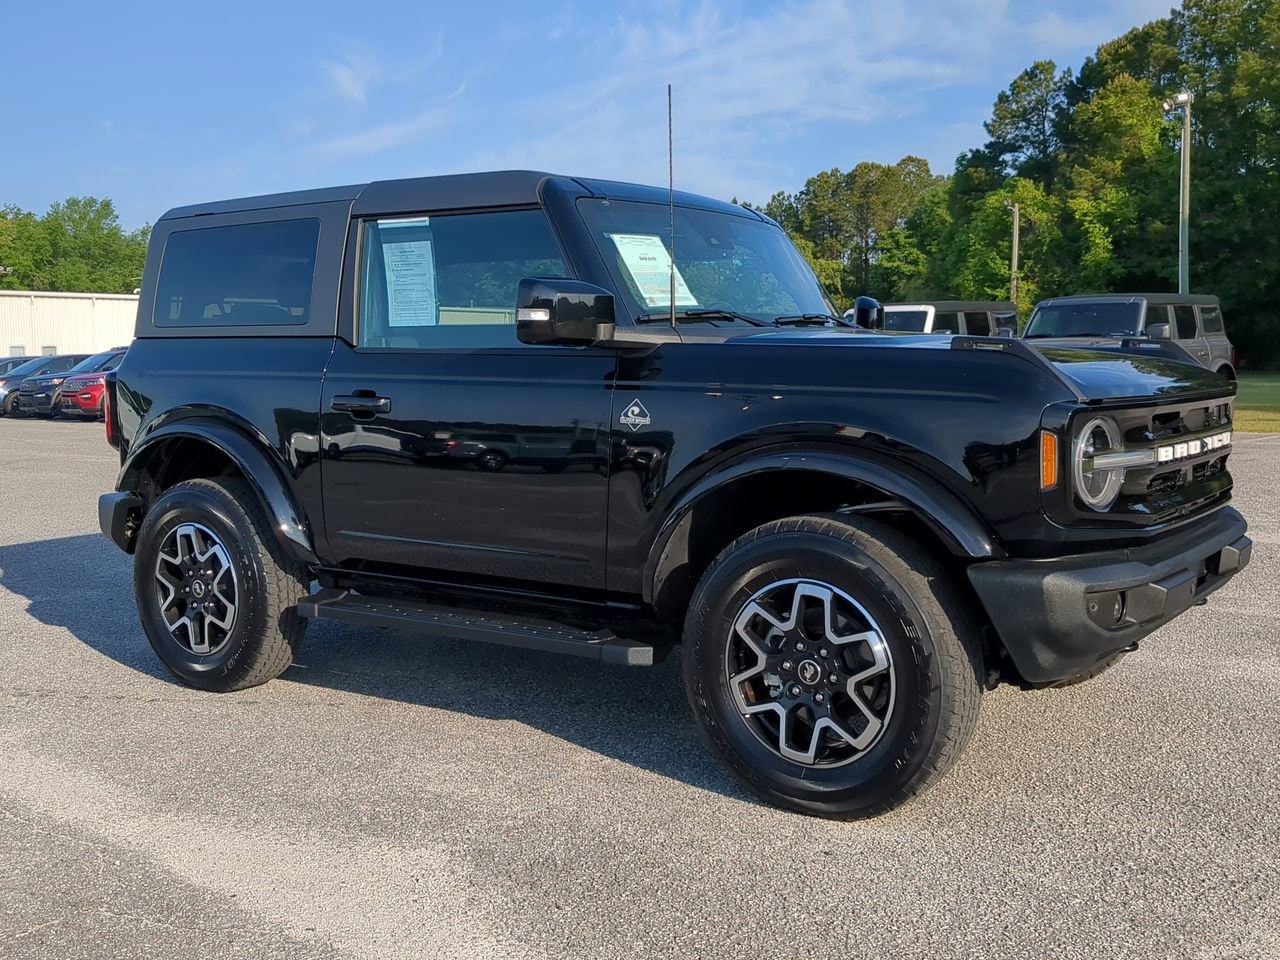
{"x":978,"y":318}
{"x":38,"y":395}
{"x":8,"y":363}
{"x":37,"y":367}
{"x":1193,"y":321}
{"x":81,"y":394}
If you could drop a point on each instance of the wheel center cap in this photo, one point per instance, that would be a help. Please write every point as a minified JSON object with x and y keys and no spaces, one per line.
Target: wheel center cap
{"x":809,"y":672}
{"x":197,"y":591}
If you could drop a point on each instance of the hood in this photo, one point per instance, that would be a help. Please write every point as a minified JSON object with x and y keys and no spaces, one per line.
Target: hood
{"x":1109,"y":374}
{"x":1098,"y":369}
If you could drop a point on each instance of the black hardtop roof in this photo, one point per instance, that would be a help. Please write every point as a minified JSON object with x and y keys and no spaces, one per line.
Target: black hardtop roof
{"x":998,"y":306}
{"x":1203,"y":299}
{"x":456,"y":191}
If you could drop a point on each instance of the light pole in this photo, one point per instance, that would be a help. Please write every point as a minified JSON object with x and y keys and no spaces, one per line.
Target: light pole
{"x":1183,"y":101}
{"x":1013,"y":253}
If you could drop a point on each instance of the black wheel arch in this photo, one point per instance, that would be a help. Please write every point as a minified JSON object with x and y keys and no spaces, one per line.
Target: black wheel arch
{"x":882,"y":486}
{"x":144,"y":468}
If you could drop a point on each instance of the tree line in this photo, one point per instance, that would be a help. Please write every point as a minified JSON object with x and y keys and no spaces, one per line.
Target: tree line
{"x":78,"y":244}
{"x":1092,"y":160}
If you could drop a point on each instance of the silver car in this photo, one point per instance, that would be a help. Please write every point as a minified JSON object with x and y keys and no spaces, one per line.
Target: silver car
{"x":1193,"y":321}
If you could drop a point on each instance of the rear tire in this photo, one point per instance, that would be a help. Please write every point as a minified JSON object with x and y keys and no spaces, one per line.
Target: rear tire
{"x":832,"y":664}
{"x":206,"y":555}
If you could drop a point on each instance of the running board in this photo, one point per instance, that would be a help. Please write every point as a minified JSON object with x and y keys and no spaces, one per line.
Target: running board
{"x":545,"y":635}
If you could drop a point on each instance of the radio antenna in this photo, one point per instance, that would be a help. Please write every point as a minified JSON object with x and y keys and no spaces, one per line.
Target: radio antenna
{"x":671,"y":205}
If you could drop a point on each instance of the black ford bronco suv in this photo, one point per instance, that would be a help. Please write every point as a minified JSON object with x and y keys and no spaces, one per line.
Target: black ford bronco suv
{"x":468,"y":406}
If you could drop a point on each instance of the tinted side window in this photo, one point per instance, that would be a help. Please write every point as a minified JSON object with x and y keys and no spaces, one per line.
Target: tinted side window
{"x":1185,"y":317}
{"x":977,"y":324}
{"x":946,"y":323}
{"x":450,"y":281}
{"x":250,"y":274}
{"x":1211,"y":317}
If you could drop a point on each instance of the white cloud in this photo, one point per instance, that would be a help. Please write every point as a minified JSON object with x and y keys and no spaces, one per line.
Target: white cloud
{"x":744,"y":87}
{"x":377,"y":139}
{"x":352,"y":76}
{"x":762,"y":99}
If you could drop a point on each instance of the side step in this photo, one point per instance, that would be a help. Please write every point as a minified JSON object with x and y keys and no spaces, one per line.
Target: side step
{"x":602,"y":645}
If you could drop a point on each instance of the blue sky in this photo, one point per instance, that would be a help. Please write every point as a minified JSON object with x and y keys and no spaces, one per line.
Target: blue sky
{"x":156,"y":105}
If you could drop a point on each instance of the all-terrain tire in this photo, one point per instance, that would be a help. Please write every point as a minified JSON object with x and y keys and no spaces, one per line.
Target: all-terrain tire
{"x":266,"y":631}
{"x":927,"y":628}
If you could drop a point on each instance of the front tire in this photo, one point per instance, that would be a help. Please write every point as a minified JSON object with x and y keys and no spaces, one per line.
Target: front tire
{"x":832,"y":664}
{"x":216,"y":593}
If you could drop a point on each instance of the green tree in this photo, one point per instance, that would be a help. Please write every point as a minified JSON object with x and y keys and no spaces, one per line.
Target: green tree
{"x":1026,"y":119}
{"x":77,"y":245}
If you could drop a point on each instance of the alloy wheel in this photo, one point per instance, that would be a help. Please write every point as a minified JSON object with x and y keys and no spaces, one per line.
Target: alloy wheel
{"x":810,"y":672}
{"x":196,"y":588}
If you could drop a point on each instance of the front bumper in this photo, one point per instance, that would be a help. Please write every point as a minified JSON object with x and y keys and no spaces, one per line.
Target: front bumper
{"x":1059,"y":617}
{"x":38,"y":403}
{"x":81,"y":402}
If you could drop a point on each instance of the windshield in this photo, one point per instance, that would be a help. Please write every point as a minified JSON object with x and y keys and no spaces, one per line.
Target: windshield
{"x":909,"y":321}
{"x":29,"y":367}
{"x":95,"y":363}
{"x":723,"y":261}
{"x":1085,"y":320}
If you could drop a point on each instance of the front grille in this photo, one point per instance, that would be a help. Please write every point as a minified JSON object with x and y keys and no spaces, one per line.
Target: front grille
{"x":1192,"y":482}
{"x":1142,"y":428}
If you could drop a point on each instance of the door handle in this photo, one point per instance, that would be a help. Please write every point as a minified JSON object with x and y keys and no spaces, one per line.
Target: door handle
{"x":356,"y":403}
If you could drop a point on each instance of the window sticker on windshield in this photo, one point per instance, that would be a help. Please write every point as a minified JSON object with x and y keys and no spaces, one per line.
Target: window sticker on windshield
{"x":410,"y":272}
{"x":646,"y":259}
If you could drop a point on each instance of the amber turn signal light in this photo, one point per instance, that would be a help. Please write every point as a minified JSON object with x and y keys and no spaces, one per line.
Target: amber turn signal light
{"x":1048,"y":459}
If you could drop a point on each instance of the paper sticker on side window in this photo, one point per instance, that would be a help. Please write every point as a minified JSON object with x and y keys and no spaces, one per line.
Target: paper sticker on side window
{"x":646,"y":259}
{"x":411,"y":272}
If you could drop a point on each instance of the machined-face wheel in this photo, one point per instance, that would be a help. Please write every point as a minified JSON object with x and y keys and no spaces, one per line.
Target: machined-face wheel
{"x":810,"y":672}
{"x":196,"y":588}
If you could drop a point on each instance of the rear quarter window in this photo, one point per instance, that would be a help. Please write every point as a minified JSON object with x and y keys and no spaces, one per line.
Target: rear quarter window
{"x":247,"y":274}
{"x":946,"y":323}
{"x":1184,"y":316}
{"x":1211,"y":318}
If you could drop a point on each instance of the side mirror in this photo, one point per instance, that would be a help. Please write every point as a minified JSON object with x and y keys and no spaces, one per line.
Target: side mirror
{"x":1158,"y":331}
{"x":553,"y":310}
{"x":1006,"y":332}
{"x":868,"y":313}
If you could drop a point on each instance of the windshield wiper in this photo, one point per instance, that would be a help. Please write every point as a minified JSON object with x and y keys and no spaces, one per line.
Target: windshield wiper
{"x":800,"y":319}
{"x":702,"y":313}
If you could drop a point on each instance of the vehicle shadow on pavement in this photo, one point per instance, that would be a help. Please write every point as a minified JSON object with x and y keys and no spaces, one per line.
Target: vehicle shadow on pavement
{"x":633,"y":714}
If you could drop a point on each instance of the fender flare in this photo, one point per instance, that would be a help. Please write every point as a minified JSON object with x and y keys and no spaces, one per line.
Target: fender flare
{"x":955,"y":523}
{"x":262,"y":471}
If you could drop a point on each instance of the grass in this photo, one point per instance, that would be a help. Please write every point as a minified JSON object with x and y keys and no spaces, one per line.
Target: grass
{"x":1258,"y":403}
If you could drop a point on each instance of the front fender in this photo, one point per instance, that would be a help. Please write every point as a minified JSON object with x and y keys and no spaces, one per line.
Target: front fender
{"x":946,"y":514}
{"x":258,"y":464}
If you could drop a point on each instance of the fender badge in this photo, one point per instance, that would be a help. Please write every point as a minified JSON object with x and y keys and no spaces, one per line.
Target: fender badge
{"x":635,"y":415}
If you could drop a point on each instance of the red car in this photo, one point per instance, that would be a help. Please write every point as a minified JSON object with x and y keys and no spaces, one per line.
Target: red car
{"x":80,"y":395}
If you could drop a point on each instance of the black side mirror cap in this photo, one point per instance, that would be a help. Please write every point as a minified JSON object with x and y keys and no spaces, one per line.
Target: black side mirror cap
{"x":868,"y":313}
{"x":553,"y":310}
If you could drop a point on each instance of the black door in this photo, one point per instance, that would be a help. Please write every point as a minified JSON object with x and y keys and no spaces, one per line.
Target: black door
{"x":447,"y":445}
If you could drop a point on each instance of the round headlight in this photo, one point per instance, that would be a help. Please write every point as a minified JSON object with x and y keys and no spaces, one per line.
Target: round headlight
{"x":1097,"y":487}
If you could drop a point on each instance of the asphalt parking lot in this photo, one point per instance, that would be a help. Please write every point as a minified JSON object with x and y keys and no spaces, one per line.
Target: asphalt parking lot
{"x":392,"y":796}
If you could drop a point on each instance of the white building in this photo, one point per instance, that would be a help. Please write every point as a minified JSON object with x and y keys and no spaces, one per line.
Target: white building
{"x":41,"y":322}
